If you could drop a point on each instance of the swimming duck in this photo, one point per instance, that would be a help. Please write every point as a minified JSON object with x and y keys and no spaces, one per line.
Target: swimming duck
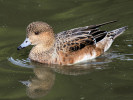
{"x":68,"y":47}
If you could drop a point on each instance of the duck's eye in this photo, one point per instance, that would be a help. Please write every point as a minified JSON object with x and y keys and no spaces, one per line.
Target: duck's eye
{"x":36,"y":33}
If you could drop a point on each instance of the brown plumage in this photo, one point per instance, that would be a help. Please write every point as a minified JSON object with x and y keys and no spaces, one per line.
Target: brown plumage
{"x":68,"y":47}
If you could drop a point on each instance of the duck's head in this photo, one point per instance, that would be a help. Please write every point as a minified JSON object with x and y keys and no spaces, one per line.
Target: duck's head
{"x":38,"y":33}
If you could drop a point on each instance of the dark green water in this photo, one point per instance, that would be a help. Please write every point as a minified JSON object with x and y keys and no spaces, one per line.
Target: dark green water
{"x":108,"y":77}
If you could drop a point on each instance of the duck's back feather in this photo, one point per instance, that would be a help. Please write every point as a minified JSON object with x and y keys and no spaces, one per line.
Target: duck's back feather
{"x":78,"y":38}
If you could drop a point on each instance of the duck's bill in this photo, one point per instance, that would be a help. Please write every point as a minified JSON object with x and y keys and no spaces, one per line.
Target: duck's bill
{"x":24,"y":44}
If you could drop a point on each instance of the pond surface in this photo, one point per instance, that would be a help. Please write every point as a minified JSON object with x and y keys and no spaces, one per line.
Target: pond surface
{"x":108,"y":77}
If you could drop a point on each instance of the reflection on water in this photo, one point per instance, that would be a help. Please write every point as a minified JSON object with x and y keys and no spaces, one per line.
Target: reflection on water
{"x":22,"y":62}
{"x":43,"y":81}
{"x":40,"y":85}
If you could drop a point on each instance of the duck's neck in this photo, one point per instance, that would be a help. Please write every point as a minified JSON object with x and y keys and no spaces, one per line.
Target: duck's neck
{"x":42,"y":52}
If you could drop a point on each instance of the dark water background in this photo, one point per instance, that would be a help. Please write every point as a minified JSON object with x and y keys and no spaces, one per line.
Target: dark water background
{"x":108,"y":77}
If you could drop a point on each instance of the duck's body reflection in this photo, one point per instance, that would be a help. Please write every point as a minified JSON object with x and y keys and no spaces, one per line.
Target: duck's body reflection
{"x":43,"y":81}
{"x":40,"y":85}
{"x":44,"y":78}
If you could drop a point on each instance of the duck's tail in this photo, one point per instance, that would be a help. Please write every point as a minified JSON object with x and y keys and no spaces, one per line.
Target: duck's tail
{"x":115,"y":33}
{"x":110,"y":36}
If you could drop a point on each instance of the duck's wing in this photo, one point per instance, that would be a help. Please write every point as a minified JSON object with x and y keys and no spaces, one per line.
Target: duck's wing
{"x":78,"y":38}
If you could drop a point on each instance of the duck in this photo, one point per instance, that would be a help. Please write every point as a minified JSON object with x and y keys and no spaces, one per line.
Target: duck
{"x":68,"y":47}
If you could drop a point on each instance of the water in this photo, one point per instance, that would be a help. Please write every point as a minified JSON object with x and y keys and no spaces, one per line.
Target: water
{"x":108,"y":77}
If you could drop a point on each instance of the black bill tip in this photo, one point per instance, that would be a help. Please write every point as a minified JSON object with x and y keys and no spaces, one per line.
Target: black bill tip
{"x":18,"y":48}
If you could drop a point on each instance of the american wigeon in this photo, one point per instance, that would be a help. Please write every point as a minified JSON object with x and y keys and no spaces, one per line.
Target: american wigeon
{"x":68,"y":47}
